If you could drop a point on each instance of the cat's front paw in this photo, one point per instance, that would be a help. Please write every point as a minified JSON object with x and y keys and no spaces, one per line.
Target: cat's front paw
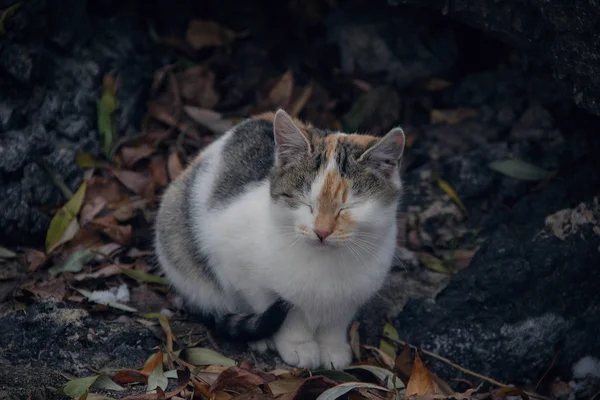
{"x":335,"y":355}
{"x":260,"y":346}
{"x":299,"y":354}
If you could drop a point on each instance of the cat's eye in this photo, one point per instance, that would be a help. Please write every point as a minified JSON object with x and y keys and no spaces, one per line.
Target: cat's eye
{"x":286,"y":195}
{"x":339,"y":212}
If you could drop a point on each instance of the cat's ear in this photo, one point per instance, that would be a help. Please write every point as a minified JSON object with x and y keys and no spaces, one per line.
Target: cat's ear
{"x":291,"y":144}
{"x":386,"y":154}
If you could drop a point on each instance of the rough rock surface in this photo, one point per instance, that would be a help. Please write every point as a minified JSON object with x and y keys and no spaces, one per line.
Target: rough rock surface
{"x":51,"y":70}
{"x":563,"y":34}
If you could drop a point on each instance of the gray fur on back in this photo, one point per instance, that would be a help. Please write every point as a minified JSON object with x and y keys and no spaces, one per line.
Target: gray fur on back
{"x":248,"y":156}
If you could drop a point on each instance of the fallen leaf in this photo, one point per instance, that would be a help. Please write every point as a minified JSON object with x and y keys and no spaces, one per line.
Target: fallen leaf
{"x":433,"y":263}
{"x":93,"y":298}
{"x":165,"y":114}
{"x":239,"y":378}
{"x":106,"y":106}
{"x":129,"y":210}
{"x":158,"y":171}
{"x":130,"y":376}
{"x":201,"y":34}
{"x":183,"y":379}
{"x":209,"y":119}
{"x":281,"y":93}
{"x":382,"y":374}
{"x":197,"y":86}
{"x":282,"y":386}
{"x":135,"y":181}
{"x":107,"y":188}
{"x":156,"y":379}
{"x":152,"y":362}
{"x":462,"y":258}
{"x":104,"y":272}
{"x":53,"y":289}
{"x":382,"y":357}
{"x":174,"y":166}
{"x":403,"y":364}
{"x":142,"y":276}
{"x":35,"y":259}
{"x":202,"y":356}
{"x":510,"y":392}
{"x":96,"y":396}
{"x":386,"y":346}
{"x":61,"y":224}
{"x":449,"y":190}
{"x":435,"y":84}
{"x":452,"y":117}
{"x":301,"y":101}
{"x":78,"y":388}
{"x":86,"y":160}
{"x":343,"y":388}
{"x":6,"y":14}
{"x":6,"y":253}
{"x":336,"y":375}
{"x":166,"y":327}
{"x":420,"y":382}
{"x":73,"y":263}
{"x":109,"y":225}
{"x":91,"y":209}
{"x":313,"y":387}
{"x":519,"y":169}
{"x":355,"y":339}
{"x":129,"y":155}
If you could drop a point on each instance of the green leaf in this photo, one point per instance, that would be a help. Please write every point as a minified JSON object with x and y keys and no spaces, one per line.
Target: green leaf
{"x":142,"y":276}
{"x":106,"y":106}
{"x":63,"y":218}
{"x":343,"y":388}
{"x":334,"y":375}
{"x":119,"y":306}
{"x":96,"y":396}
{"x":86,"y":160}
{"x":170,"y":374}
{"x":6,"y":14}
{"x":6,"y":253}
{"x":446,"y":187}
{"x":202,"y":356}
{"x":157,"y":379}
{"x":105,"y":383}
{"x":73,"y":263}
{"x":388,"y":347}
{"x":77,"y":388}
{"x":381,"y":373}
{"x":519,"y":169}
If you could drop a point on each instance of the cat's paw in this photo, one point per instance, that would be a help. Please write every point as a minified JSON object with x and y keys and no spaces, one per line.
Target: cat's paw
{"x":259,"y":346}
{"x":335,"y":355}
{"x":299,"y":354}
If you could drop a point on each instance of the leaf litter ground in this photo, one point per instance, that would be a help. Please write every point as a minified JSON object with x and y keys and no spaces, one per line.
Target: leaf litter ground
{"x":98,"y":254}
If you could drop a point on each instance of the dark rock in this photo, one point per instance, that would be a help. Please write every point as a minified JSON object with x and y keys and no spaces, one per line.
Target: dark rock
{"x":564,"y":36}
{"x":530,"y":291}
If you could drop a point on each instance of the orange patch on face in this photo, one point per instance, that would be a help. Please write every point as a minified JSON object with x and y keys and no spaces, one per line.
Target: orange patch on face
{"x":361,"y":140}
{"x":333,"y":194}
{"x":330,"y":145}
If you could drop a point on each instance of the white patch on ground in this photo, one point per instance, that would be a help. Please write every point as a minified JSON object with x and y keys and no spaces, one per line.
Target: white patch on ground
{"x":114,"y":295}
{"x":567,"y":222}
{"x":525,"y":334}
{"x":67,"y":316}
{"x":587,"y":366}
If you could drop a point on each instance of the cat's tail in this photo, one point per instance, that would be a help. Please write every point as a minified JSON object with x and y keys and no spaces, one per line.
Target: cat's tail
{"x":249,"y":327}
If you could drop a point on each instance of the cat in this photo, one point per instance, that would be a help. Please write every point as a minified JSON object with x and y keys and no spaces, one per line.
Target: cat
{"x":278,"y":232}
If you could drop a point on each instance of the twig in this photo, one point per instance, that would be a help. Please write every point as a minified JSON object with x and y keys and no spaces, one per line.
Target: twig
{"x":547,"y":370}
{"x":458,"y":367}
{"x":56,"y":180}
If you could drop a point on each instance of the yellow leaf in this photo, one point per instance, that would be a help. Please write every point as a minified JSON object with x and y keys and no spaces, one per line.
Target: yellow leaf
{"x":282,"y":91}
{"x":386,"y":346}
{"x":445,"y":186}
{"x":420,"y":382}
{"x":86,"y":160}
{"x":64,"y":218}
{"x":433,"y":263}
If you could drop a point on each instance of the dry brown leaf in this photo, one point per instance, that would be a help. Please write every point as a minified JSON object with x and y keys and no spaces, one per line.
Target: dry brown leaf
{"x":54,"y":288}
{"x":107,"y":188}
{"x":165,"y":114}
{"x":452,"y":117}
{"x":110,"y":227}
{"x":158,"y":171}
{"x":130,"y":155}
{"x":239,"y":378}
{"x":129,"y":210}
{"x":403,"y":364}
{"x":312,"y":387}
{"x":174,"y":166}
{"x":282,"y":386}
{"x":201,"y":34}
{"x":153,"y":362}
{"x":281,"y":93}
{"x":130,"y":376}
{"x":35,"y":259}
{"x":420,"y":382}
{"x":197,"y":86}
{"x":462,"y":258}
{"x":381,"y":357}
{"x":137,"y":182}
{"x":505,"y":392}
{"x":91,"y":209}
{"x":301,"y":101}
{"x":209,"y":119}
{"x":104,"y":272}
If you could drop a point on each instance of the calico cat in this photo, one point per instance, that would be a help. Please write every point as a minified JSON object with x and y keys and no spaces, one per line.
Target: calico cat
{"x":278,"y":232}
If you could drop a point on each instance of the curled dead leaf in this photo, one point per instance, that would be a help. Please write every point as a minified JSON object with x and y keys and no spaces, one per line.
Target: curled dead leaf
{"x":420,"y":382}
{"x":134,"y":181}
{"x":281,"y":93}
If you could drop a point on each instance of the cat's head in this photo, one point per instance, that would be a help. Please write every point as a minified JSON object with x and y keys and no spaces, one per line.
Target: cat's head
{"x":330,"y":188}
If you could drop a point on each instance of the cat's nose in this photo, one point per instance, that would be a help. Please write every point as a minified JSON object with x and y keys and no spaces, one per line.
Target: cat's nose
{"x":321,"y":234}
